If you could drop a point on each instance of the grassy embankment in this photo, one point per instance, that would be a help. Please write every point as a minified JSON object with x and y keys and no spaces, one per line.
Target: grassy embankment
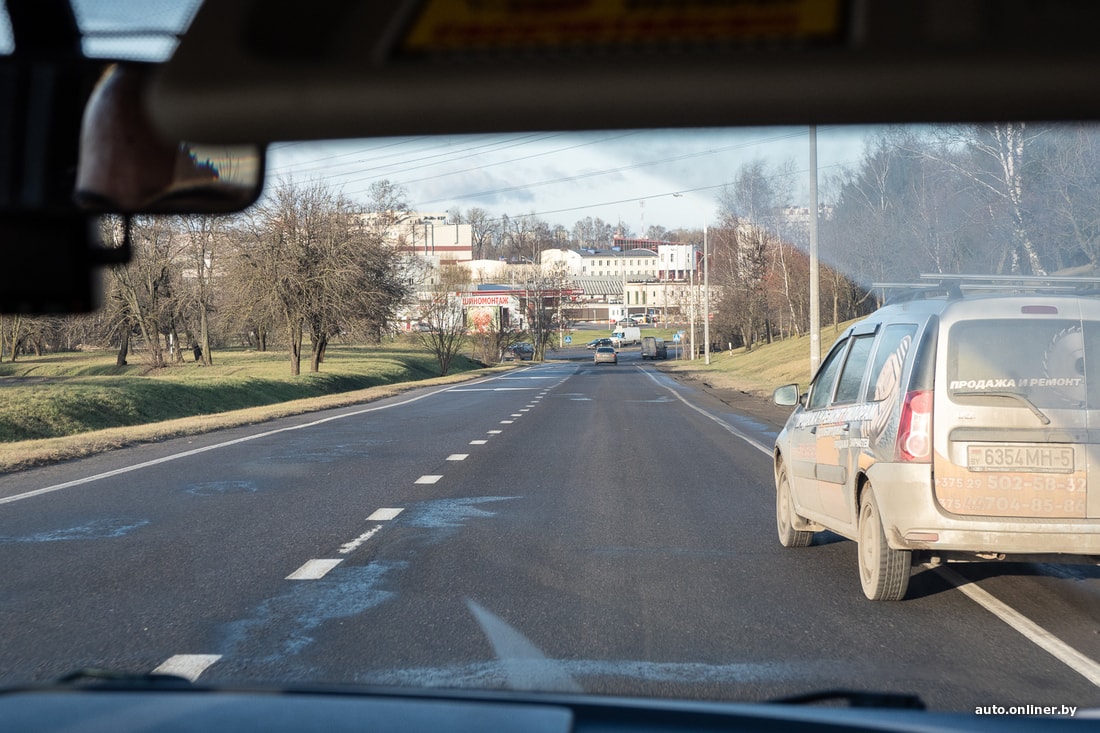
{"x":759,"y":371}
{"x":68,"y":405}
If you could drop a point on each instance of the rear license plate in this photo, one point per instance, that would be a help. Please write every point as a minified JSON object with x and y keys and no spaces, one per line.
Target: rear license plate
{"x":1029,"y":458}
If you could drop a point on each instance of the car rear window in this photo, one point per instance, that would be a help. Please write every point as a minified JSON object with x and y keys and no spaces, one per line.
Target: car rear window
{"x":1046,"y":361}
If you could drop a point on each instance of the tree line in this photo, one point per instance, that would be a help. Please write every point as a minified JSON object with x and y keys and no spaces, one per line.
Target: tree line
{"x":307,"y":265}
{"x":1003,"y":199}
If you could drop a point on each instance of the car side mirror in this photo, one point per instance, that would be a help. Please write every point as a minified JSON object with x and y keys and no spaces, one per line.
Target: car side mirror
{"x":786,"y":396}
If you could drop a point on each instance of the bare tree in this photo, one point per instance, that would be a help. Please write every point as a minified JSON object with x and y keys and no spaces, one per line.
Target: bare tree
{"x":324,"y":264}
{"x":202,"y":237}
{"x":443,"y":313}
{"x":999,"y":152}
{"x":146,"y":286}
{"x":484,"y":231}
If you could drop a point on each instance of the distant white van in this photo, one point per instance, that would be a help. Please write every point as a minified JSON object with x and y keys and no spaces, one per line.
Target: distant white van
{"x":949,"y":427}
{"x":626,"y":335}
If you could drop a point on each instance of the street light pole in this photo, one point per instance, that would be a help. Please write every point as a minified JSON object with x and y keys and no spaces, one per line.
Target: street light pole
{"x":706,"y":297}
{"x":815,"y":298}
{"x":692,"y":308}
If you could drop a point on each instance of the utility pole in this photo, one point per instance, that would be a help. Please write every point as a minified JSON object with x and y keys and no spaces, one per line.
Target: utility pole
{"x":815,"y":297}
{"x":706,"y":297}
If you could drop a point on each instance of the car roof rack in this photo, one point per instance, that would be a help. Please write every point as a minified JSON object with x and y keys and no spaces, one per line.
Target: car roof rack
{"x":955,"y":286}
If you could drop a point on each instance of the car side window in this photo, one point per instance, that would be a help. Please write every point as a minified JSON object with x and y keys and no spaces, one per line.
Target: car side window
{"x":889,"y":361}
{"x":851,"y":377}
{"x":822,"y":387}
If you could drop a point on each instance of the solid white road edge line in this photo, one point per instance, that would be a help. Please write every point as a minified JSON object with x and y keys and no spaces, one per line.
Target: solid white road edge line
{"x":226,"y":444}
{"x":1032,"y":631}
{"x":734,"y":431}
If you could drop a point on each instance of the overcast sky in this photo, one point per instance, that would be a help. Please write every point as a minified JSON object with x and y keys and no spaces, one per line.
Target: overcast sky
{"x":630,"y":176}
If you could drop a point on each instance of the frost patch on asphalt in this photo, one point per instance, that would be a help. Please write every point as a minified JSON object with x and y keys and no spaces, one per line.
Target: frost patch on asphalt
{"x":283,"y":625}
{"x":102,"y":530}
{"x":497,"y":674}
{"x":217,"y":488}
{"x":325,"y":453}
{"x":449,"y":513}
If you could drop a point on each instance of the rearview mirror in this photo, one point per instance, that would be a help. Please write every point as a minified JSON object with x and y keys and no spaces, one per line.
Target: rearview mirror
{"x":127,"y":167}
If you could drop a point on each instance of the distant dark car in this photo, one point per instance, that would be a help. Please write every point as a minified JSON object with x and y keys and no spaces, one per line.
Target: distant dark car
{"x":519,"y":352}
{"x":605,"y":355}
{"x":596,"y":343}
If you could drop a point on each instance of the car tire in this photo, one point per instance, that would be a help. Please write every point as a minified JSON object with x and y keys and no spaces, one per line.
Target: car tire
{"x":883,"y":571}
{"x":784,"y":514}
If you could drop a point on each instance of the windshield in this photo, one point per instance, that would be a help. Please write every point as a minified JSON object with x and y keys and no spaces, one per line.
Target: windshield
{"x":357,"y":434}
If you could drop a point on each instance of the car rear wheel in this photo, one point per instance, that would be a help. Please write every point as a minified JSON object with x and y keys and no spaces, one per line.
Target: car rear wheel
{"x":784,"y":514}
{"x":883,"y":571}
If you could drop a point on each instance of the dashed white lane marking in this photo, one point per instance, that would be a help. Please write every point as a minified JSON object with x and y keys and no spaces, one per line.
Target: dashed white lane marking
{"x":190,"y":666}
{"x":1032,"y":631}
{"x":506,"y":422}
{"x":478,"y":442}
{"x":235,"y":441}
{"x":313,"y":569}
{"x":349,"y":547}
{"x":494,"y":432}
{"x":429,"y":479}
{"x":385,"y":513}
{"x":458,"y":456}
{"x":516,"y":414}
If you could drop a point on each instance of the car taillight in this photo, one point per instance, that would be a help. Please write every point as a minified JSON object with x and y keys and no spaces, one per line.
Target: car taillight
{"x":915,"y":429}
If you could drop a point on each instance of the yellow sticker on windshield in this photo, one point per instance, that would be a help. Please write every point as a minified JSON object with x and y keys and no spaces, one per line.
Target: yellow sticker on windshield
{"x":446,"y":25}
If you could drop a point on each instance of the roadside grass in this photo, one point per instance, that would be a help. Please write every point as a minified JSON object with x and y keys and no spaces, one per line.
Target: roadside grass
{"x":64,"y":405}
{"x":757,"y":372}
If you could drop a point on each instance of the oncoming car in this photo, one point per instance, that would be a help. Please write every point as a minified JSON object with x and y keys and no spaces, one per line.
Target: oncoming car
{"x":952,"y":425}
{"x":605,"y":355}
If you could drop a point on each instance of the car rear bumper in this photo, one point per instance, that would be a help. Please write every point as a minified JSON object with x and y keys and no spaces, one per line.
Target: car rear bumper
{"x":913,"y":520}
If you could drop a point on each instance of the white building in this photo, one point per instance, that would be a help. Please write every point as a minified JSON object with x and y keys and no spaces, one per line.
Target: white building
{"x":666,"y":261}
{"x":654,"y":278}
{"x":432,"y":237}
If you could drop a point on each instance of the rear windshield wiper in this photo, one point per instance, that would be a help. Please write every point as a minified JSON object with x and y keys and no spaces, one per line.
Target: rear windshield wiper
{"x":1009,"y":395}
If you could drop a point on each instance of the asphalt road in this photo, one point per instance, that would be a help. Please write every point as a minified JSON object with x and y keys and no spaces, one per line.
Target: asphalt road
{"x":563,"y":526}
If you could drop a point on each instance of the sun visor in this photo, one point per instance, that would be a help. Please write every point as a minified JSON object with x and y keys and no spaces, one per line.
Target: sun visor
{"x":277,"y":70}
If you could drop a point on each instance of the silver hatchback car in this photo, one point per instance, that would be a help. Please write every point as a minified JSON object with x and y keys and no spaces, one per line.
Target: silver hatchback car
{"x":949,"y":426}
{"x":605,"y":355}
